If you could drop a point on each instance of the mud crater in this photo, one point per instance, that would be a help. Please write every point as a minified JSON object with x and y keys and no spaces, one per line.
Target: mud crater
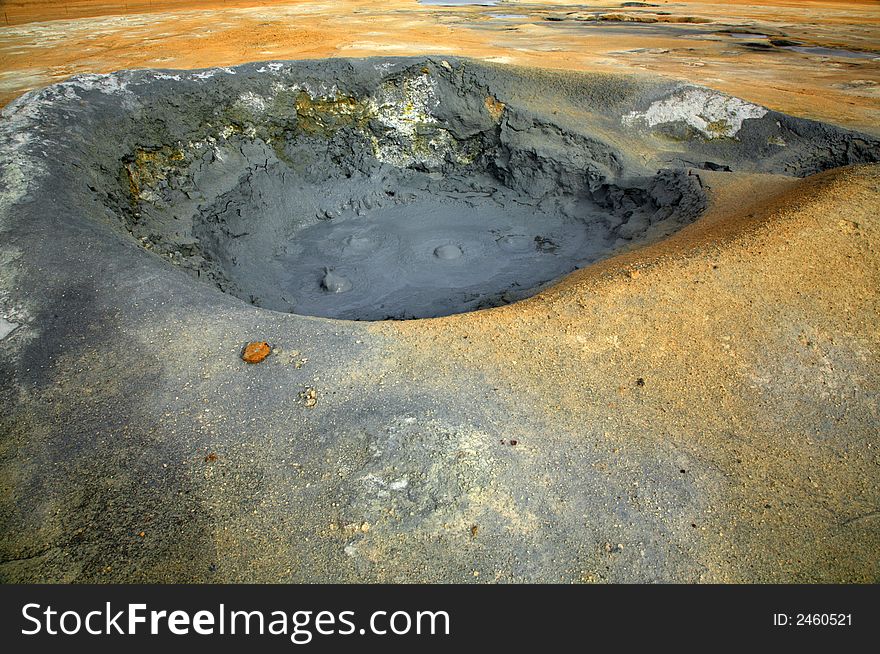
{"x":412,"y":188}
{"x":418,"y":198}
{"x":321,"y":226}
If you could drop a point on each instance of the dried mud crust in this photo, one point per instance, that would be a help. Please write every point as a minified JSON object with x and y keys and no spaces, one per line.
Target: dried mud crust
{"x":412,"y":188}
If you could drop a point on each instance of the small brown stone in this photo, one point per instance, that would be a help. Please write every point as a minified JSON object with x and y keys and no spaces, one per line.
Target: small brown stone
{"x":495,"y":107}
{"x":256,"y":352}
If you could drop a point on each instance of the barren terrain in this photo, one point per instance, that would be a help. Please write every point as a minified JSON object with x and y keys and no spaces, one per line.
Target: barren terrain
{"x":727,"y":46}
{"x":701,"y":409}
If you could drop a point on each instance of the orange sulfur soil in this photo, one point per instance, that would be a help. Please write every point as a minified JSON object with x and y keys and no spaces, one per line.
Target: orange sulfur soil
{"x":43,"y":42}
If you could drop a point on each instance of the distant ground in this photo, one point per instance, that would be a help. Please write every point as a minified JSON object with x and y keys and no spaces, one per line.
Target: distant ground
{"x":737,"y":47}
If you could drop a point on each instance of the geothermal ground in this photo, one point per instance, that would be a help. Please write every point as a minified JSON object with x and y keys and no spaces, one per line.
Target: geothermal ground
{"x":594,"y":301}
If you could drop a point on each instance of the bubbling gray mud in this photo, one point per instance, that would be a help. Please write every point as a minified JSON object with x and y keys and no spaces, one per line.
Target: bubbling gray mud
{"x":407,"y":188}
{"x":426,"y":257}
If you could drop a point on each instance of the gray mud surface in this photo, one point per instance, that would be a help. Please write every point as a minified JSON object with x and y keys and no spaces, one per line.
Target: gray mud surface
{"x":137,"y":446}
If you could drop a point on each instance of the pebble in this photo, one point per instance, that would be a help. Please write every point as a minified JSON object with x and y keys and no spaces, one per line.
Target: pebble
{"x":256,"y":351}
{"x":309,"y":397}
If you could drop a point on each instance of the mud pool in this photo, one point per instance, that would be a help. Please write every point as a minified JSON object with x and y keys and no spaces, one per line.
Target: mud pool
{"x":408,"y":188}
